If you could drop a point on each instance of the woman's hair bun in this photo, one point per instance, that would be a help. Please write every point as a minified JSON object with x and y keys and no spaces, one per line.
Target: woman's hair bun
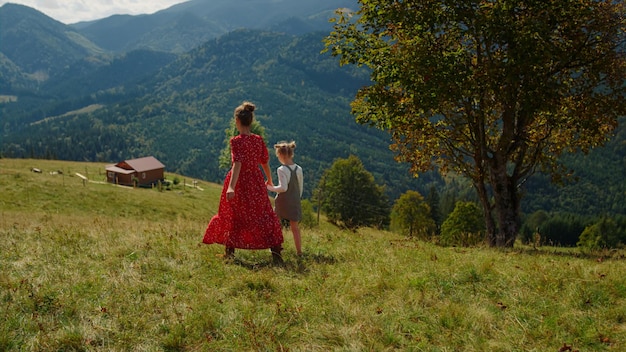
{"x":248,"y":106}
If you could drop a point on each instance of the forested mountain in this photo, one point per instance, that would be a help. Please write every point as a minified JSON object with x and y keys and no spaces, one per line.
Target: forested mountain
{"x":38,"y":44}
{"x":597,"y":185}
{"x":104,"y":106}
{"x":35,"y":48}
{"x":184,"y":26}
{"x":180,"y":113}
{"x":12,"y":78}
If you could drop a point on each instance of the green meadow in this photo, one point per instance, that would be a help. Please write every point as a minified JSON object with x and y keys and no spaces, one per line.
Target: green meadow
{"x":98,"y":267}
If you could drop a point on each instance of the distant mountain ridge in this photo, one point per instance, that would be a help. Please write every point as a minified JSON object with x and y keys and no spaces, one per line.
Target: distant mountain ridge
{"x":38,"y":44}
{"x":36,"y":47}
{"x":187,"y":25}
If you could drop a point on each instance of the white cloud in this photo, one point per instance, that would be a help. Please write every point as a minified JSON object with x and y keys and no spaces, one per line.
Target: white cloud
{"x":72,"y":11}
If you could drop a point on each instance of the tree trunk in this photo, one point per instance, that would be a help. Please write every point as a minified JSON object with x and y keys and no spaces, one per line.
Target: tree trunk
{"x":506,"y":202}
{"x":490,"y":226}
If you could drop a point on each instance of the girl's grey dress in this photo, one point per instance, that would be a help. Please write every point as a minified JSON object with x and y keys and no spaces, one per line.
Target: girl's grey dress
{"x":288,"y":203}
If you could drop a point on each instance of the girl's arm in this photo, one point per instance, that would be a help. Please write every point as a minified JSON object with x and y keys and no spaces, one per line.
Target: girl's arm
{"x":300,"y":175}
{"x":234,"y":176}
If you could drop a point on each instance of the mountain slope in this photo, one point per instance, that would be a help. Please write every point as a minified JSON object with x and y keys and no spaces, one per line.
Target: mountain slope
{"x":92,"y":76}
{"x":12,"y":79}
{"x":597,"y":185}
{"x":179,"y":115}
{"x":37,"y":43}
{"x":184,"y":26}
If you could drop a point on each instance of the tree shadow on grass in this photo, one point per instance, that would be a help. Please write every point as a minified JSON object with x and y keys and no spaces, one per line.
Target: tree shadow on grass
{"x":598,"y":255}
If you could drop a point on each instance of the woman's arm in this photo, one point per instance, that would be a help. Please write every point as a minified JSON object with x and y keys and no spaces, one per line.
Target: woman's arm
{"x":268,"y":174}
{"x":234,"y":176}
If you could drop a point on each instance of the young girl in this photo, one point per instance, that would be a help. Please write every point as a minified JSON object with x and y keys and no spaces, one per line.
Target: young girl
{"x":245,"y":217}
{"x":289,"y":190}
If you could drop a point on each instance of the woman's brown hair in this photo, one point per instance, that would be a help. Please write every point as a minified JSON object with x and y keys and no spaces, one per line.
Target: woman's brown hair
{"x":245,"y":113}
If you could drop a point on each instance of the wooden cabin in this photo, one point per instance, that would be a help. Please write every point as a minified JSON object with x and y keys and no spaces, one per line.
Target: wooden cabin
{"x":145,"y":171}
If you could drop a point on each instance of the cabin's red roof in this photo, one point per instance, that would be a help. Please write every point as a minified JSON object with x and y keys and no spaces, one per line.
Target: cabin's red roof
{"x":139,"y":165}
{"x":145,"y":164}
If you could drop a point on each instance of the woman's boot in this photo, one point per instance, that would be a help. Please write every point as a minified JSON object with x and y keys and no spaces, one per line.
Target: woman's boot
{"x":277,"y":259}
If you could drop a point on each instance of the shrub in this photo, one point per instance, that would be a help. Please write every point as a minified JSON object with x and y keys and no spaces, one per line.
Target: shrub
{"x":350,"y":197}
{"x":411,"y":216}
{"x":309,"y":219}
{"x":603,"y":234}
{"x":464,"y":226}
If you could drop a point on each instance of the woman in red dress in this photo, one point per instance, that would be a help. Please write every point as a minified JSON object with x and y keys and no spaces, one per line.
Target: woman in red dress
{"x":245,"y":218}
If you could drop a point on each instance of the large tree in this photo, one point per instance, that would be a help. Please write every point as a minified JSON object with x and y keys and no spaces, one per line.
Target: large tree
{"x":494,"y":90}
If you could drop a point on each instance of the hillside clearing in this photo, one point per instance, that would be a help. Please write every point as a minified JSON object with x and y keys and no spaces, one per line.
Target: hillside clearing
{"x":104,"y":268}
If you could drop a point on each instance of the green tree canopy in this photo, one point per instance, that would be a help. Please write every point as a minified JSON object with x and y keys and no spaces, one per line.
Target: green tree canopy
{"x":464,"y":226}
{"x":411,"y":216}
{"x":434,"y":201}
{"x":350,"y":197}
{"x":606,"y":233}
{"x":491,"y":89}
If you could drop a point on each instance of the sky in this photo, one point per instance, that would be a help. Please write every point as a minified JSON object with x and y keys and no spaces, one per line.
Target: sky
{"x":72,"y":11}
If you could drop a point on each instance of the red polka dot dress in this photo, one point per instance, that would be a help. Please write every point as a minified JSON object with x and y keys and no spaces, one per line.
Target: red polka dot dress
{"x":247,"y":221}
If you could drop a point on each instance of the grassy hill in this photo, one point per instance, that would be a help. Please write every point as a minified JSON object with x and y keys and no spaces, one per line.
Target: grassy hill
{"x":105,"y":268}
